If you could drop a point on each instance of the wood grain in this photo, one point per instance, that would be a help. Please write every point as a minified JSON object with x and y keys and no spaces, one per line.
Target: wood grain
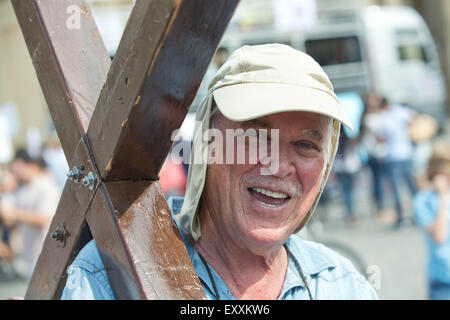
{"x":129,"y":112}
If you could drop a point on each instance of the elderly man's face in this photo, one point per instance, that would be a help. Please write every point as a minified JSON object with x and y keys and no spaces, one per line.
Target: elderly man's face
{"x":257,"y":210}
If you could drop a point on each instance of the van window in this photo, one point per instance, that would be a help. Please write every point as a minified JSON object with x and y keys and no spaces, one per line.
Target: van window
{"x":331,"y":51}
{"x":412,"y":52}
{"x":409,"y":46}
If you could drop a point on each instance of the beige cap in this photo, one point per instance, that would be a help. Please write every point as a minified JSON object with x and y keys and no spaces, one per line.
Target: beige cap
{"x":266,"y":79}
{"x":254,"y":82}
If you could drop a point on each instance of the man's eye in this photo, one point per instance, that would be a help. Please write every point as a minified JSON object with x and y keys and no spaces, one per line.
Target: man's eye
{"x":307,"y":145}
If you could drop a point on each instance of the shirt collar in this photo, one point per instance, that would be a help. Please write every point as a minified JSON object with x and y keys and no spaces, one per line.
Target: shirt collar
{"x":312,"y":261}
{"x":203,"y":274}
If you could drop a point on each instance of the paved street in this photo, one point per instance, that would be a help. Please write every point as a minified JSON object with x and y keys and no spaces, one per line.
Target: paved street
{"x":399,"y":256}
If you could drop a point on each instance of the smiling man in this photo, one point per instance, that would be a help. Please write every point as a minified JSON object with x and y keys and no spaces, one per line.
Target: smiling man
{"x":239,"y":220}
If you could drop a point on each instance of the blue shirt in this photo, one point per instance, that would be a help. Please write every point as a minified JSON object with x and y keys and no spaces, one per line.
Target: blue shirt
{"x":426,"y":206}
{"x":329,"y":275}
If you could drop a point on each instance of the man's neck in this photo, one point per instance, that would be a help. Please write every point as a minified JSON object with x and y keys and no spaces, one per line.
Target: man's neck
{"x":246,"y":274}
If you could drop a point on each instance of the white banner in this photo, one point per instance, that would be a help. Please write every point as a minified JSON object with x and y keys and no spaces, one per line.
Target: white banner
{"x":294,"y":14}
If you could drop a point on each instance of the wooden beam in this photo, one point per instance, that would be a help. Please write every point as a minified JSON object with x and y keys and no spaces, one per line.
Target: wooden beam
{"x":153,"y":80}
{"x":139,"y":242}
{"x":160,"y":62}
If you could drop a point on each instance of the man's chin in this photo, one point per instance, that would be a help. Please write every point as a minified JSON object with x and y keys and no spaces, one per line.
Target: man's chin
{"x":267,"y":236}
{"x":267,"y":228}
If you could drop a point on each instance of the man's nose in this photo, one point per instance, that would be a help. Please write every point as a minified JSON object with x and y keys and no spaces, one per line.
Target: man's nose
{"x":280,"y":163}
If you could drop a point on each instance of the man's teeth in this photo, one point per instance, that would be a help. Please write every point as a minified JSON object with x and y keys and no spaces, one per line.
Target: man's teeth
{"x":273,"y":194}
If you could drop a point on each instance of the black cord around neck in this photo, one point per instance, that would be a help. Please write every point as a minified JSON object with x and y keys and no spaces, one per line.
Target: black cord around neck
{"x":299,"y":269}
{"x":297,"y":264}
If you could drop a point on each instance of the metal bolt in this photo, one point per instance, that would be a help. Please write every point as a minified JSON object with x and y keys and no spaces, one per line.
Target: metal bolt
{"x":75,"y":174}
{"x":60,"y":235}
{"x":89,"y":181}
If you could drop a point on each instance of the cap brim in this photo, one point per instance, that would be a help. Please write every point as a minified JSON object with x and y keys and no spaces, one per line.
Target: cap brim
{"x":246,"y":101}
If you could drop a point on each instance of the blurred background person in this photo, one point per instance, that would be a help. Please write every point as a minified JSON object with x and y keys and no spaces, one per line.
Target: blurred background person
{"x":422,"y":130}
{"x":432,"y":214}
{"x":35,"y":202}
{"x":7,"y":185}
{"x":350,"y":157}
{"x":346,"y":166}
{"x":375,"y":148}
{"x":7,"y":267}
{"x":172,"y":178}
{"x":5,"y":249}
{"x":394,"y":121}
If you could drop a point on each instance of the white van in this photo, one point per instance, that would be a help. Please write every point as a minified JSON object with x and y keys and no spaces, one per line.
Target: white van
{"x":388,"y":49}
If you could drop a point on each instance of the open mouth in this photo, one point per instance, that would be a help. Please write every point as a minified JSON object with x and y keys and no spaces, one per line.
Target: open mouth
{"x":268,"y":197}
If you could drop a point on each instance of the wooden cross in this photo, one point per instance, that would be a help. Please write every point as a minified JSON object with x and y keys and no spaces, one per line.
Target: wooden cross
{"x":114,"y":120}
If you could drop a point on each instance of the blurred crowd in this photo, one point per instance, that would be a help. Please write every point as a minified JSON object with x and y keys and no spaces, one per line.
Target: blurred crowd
{"x":395,"y":143}
{"x":409,"y":162}
{"x":30,"y":188}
